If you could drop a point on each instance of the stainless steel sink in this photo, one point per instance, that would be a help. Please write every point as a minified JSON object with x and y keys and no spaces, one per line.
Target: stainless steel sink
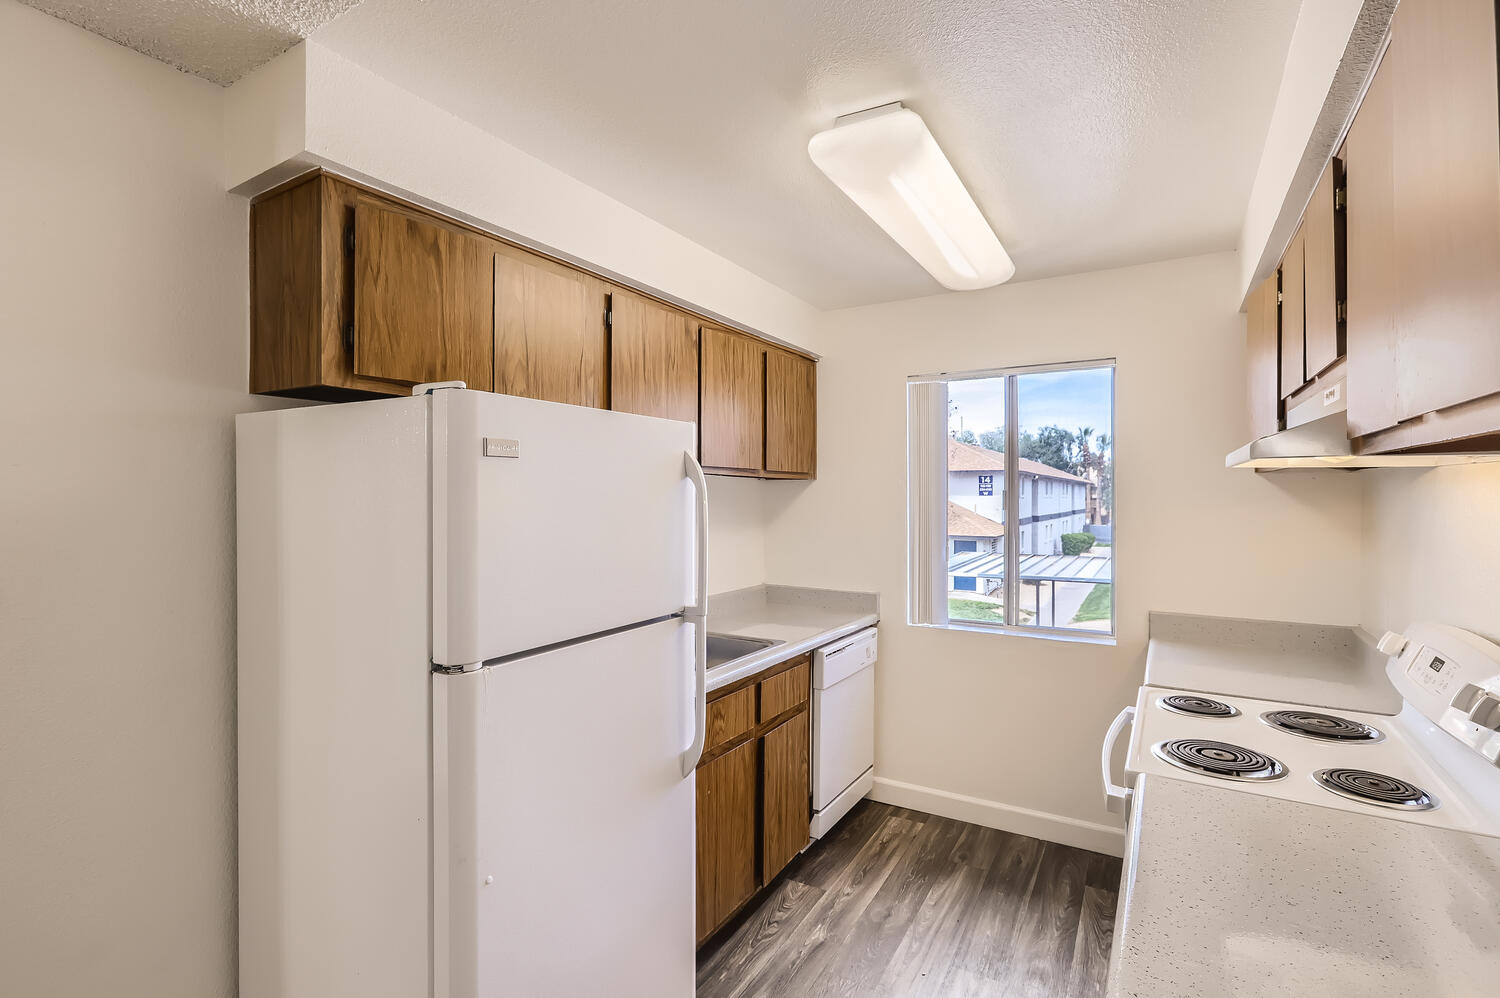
{"x":724,"y":648}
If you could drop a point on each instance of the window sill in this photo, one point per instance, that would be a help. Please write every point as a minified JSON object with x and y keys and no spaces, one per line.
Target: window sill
{"x":1042,"y":633}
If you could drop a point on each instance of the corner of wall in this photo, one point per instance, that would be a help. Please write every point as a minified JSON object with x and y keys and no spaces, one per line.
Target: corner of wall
{"x":265,"y":124}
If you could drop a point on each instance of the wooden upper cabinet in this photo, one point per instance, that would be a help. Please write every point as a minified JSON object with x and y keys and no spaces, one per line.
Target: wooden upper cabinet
{"x":1373,"y":289}
{"x":1293,"y":344}
{"x":286,"y":290}
{"x":653,"y":353}
{"x":423,"y":299}
{"x":1446,"y":178}
{"x":791,"y":412}
{"x":1323,"y":252}
{"x":550,"y":340}
{"x":732,"y":427}
{"x":355,"y":294}
{"x":1261,"y":359}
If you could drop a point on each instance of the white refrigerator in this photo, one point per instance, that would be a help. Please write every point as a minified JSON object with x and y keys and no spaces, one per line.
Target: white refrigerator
{"x":471,"y":667}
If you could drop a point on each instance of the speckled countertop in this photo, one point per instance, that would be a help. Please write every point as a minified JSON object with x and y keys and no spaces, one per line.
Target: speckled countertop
{"x":1319,"y":665}
{"x":802,"y":619}
{"x":1242,"y":895}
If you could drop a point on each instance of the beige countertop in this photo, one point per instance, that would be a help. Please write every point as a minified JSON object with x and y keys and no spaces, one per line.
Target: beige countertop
{"x":801,"y":619}
{"x":1246,"y":896}
{"x":1319,"y":665}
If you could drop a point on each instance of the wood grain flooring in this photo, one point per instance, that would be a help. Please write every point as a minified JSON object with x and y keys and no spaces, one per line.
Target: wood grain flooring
{"x":896,"y":903}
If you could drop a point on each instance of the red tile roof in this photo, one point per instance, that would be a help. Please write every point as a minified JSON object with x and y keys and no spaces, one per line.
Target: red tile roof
{"x":967,"y":523}
{"x":967,"y":457}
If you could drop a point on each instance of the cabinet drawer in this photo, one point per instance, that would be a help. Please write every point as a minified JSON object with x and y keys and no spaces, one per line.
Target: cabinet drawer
{"x":785,"y":690}
{"x":729,"y":718}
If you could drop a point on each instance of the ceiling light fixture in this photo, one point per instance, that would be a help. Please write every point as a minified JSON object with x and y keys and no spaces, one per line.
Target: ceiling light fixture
{"x":889,"y":164}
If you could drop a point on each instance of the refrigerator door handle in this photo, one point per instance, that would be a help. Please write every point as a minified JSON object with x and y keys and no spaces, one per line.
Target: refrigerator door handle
{"x":697,"y":615}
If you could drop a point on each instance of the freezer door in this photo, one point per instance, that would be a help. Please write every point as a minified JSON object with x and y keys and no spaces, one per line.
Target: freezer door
{"x":564,"y":831}
{"x":553,"y":522}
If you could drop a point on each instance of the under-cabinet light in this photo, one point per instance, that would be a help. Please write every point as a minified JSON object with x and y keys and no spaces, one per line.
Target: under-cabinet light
{"x":889,"y":164}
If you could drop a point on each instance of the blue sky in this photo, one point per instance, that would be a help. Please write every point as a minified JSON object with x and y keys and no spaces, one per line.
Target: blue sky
{"x":1069,"y":399}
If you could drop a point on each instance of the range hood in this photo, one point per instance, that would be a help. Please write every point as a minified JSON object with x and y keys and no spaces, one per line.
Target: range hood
{"x":1317,"y":436}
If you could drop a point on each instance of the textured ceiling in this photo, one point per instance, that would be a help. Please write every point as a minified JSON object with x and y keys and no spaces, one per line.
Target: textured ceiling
{"x":219,"y":40}
{"x":1092,"y":134}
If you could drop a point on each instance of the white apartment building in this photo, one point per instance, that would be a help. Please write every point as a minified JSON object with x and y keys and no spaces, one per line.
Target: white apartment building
{"x":1052,"y":502}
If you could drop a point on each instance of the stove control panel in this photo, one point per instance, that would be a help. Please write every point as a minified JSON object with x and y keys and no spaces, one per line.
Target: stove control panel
{"x":1434,"y":673}
{"x":1453,"y":677}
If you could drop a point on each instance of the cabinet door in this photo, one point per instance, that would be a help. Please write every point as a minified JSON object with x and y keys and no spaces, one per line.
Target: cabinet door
{"x":549,"y":331}
{"x":1446,"y":169}
{"x":786,"y":792}
{"x":726,"y":836}
{"x":791,"y":412}
{"x":1293,"y":345}
{"x":732,"y":431}
{"x":423,"y":297}
{"x":653,"y":353}
{"x":1371,"y":230}
{"x":1323,"y":234}
{"x":1260,"y":356}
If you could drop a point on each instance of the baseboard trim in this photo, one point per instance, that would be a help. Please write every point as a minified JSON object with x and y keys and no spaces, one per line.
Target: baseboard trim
{"x":1006,"y":817}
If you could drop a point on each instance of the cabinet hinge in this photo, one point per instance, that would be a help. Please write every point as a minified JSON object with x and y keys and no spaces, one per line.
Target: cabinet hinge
{"x":1339,"y":199}
{"x":349,"y":240}
{"x":1341,"y":311}
{"x":349,"y":337}
{"x":609,"y":318}
{"x":1278,"y":297}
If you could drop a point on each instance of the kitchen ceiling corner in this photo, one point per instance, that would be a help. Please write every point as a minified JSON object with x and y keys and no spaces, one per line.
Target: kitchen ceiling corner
{"x":1090,"y":136}
{"x":218,"y":40}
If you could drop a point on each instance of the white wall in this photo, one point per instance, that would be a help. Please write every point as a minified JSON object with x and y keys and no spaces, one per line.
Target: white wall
{"x":1432,"y":548}
{"x":968,"y":713}
{"x":123,"y":277}
{"x":736,"y":533}
{"x":365,"y":126}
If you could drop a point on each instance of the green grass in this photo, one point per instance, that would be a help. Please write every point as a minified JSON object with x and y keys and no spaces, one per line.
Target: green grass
{"x":973,"y":609}
{"x":1097,"y":605}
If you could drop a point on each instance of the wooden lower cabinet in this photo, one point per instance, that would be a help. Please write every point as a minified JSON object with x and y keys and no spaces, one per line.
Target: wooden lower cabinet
{"x":754,"y":789}
{"x":785,"y":794}
{"x":726,"y":836}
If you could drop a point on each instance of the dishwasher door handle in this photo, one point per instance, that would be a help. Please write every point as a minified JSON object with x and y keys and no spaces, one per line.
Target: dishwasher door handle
{"x":1116,"y":797}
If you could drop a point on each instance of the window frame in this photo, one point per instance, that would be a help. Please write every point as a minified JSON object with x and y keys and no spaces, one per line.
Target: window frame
{"x":927,"y":490}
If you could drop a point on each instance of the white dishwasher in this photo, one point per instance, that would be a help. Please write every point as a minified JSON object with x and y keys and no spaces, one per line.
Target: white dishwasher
{"x":843,"y":729}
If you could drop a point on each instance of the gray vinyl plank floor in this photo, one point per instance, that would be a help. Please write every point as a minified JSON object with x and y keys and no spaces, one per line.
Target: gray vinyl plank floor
{"x":897,"y":903}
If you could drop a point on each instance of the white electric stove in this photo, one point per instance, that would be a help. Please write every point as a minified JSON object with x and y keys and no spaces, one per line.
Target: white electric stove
{"x":1434,"y":763}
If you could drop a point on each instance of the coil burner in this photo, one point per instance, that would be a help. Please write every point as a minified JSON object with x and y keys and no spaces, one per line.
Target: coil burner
{"x":1375,"y":788}
{"x":1220,"y":759}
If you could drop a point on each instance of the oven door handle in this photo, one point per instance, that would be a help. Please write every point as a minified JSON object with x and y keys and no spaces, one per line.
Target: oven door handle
{"x":1116,"y":797}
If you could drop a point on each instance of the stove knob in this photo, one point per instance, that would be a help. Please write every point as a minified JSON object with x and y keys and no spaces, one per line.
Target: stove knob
{"x":1468,"y":698}
{"x":1391,"y":644}
{"x":1486,"y":712}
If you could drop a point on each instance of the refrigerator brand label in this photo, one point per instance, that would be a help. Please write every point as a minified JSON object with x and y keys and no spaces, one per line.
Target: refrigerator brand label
{"x":499,"y":447}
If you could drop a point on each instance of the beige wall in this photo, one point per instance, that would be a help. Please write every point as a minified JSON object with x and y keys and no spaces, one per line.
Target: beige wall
{"x":125,"y":323}
{"x":1017,"y":722}
{"x":1432,"y":548}
{"x":122,"y":272}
